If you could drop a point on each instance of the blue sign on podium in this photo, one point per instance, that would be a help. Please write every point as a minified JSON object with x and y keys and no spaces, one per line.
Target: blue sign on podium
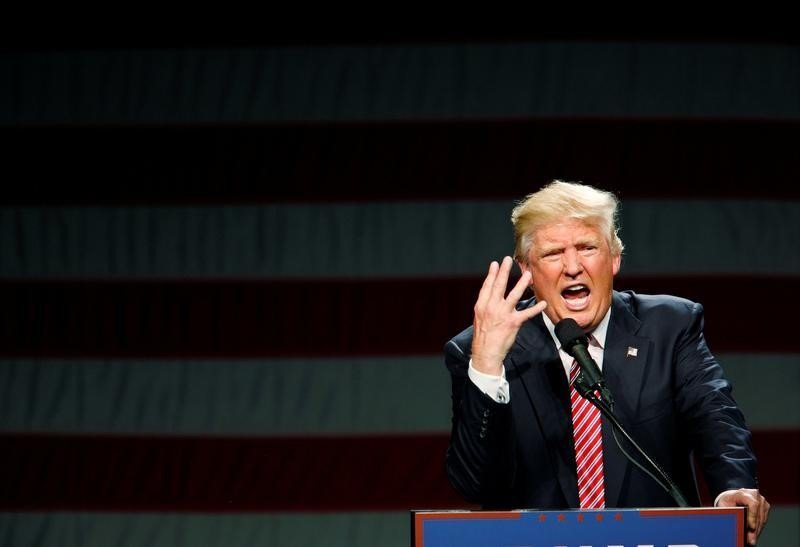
{"x":693,"y":527}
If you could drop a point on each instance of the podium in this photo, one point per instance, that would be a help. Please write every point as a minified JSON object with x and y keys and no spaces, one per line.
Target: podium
{"x":688,"y":527}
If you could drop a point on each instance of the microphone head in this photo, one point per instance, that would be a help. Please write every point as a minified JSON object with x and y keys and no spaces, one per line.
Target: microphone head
{"x":570,"y":334}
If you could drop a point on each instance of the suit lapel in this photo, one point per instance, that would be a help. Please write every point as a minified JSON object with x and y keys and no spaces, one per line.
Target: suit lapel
{"x":536,"y":360}
{"x":624,"y":360}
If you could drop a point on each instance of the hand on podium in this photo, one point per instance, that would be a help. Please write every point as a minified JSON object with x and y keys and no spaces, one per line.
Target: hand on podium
{"x":757,"y":509}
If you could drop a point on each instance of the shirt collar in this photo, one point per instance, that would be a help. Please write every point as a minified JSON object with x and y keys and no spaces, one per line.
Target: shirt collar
{"x":599,"y":333}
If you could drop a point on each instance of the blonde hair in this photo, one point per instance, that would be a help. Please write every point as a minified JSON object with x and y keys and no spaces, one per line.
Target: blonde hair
{"x":560,"y":200}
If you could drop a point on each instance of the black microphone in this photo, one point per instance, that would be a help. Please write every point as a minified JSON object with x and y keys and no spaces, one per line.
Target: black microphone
{"x":575,"y":342}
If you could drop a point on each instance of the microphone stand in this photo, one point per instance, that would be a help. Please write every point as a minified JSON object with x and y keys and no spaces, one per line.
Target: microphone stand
{"x":587,"y":392}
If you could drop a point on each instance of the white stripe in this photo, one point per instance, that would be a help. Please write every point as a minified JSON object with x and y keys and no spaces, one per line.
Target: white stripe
{"x":582,"y":416}
{"x":582,"y":440}
{"x":69,"y":529}
{"x":592,"y":426}
{"x":589,"y":490}
{"x":588,"y":450}
{"x":594,"y":494}
{"x":397,"y":82}
{"x":589,"y":463}
{"x":765,"y":387}
{"x":595,"y":502}
{"x":592,"y":500}
{"x":237,"y":397}
{"x":589,"y":480}
{"x":583,"y":410}
{"x":65,"y":529}
{"x":286,"y":396}
{"x":374,"y":239}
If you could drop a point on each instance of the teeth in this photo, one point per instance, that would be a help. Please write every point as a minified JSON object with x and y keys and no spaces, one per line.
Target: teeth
{"x":576,"y":304}
{"x":576,"y":288}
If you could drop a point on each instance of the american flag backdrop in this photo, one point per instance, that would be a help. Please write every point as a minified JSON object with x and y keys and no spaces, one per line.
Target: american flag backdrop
{"x":227,"y":273}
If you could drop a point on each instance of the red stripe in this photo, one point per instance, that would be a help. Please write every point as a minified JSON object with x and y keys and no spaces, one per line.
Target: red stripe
{"x":778,"y":451}
{"x":318,"y":318}
{"x":448,"y":160}
{"x":778,"y":454}
{"x":269,"y":474}
{"x":223,"y":474}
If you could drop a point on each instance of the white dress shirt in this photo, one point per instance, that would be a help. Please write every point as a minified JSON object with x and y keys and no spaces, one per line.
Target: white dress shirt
{"x":496,"y":387}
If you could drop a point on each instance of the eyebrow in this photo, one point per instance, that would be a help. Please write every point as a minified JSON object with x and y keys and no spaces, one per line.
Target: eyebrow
{"x":544,"y":250}
{"x":588,"y":241}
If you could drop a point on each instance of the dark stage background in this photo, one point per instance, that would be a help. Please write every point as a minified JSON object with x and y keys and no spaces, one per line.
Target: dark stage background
{"x":227,"y":269}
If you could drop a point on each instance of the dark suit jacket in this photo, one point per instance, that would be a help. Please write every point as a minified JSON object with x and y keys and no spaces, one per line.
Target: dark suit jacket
{"x":672,"y":397}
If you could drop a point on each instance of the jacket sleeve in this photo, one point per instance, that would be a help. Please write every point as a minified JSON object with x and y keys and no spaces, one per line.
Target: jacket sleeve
{"x":480,"y":457}
{"x":715,"y":425}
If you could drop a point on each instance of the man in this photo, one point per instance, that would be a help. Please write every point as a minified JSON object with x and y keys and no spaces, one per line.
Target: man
{"x":518,"y":425}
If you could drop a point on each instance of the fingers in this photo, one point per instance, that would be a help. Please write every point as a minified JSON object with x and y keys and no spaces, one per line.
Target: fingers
{"x":745,"y":497}
{"x":762,"y":509}
{"x":526,"y":314}
{"x":501,"y":279}
{"x":496,"y":281}
{"x":486,"y":288}
{"x":753,"y":515}
{"x":516,"y":294}
{"x":757,"y":510}
{"x":519,"y":288}
{"x":494,"y":288}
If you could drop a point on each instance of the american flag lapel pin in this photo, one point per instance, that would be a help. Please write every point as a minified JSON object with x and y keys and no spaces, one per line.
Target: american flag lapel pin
{"x":632,"y":352}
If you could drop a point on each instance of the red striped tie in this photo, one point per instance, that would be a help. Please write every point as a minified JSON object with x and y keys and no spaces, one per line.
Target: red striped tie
{"x":588,"y":447}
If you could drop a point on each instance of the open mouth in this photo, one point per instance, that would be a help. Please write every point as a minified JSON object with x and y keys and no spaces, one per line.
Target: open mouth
{"x":576,"y":297}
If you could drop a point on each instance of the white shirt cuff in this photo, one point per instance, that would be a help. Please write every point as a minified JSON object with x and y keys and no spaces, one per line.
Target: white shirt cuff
{"x":495,"y":387}
{"x":716,"y":501}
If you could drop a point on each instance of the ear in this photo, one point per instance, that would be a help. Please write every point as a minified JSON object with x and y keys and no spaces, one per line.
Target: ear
{"x":524,"y":267}
{"x":616,"y":261}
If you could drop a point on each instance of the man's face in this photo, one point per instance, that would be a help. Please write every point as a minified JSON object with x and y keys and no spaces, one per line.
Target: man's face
{"x":572,"y":268}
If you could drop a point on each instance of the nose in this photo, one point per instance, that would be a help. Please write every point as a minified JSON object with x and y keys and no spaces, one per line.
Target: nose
{"x":572,"y":263}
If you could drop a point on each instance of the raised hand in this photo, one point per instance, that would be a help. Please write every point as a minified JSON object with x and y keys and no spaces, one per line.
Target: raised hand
{"x":497,"y":320}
